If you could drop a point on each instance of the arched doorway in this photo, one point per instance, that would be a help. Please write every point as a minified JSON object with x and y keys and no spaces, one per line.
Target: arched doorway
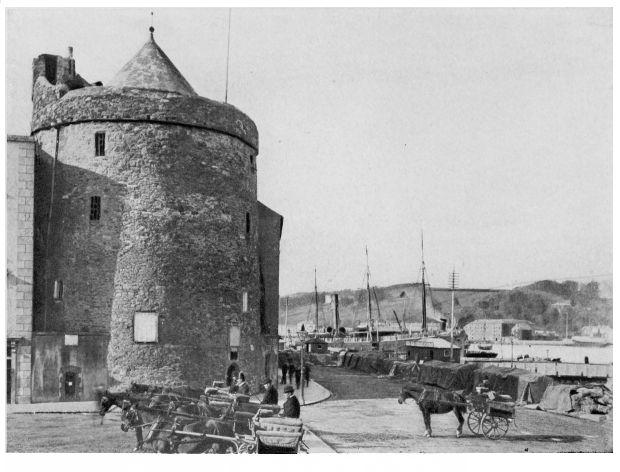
{"x":233,"y":370}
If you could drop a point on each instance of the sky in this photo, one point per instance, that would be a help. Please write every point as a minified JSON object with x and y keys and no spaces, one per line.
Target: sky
{"x":490,"y":130}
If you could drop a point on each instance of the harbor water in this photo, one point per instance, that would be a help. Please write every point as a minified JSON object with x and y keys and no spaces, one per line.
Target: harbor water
{"x":577,"y":354}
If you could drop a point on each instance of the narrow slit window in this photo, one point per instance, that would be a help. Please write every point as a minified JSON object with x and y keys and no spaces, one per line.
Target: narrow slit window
{"x":253,"y":164}
{"x":95,"y":208}
{"x":100,"y":144}
{"x":245,"y":302}
{"x":247,"y":223}
{"x":58,"y":289}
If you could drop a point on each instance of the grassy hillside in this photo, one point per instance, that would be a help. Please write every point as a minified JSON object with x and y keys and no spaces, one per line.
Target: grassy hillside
{"x":533,"y":303}
{"x":403,"y":298}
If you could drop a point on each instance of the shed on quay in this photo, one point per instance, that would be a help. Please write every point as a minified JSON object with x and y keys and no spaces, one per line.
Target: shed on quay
{"x":431,"y":348}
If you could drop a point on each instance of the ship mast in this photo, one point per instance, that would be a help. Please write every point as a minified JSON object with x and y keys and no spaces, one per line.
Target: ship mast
{"x":423,"y":290}
{"x":369,"y":306}
{"x":286,"y":333}
{"x":316,"y":303}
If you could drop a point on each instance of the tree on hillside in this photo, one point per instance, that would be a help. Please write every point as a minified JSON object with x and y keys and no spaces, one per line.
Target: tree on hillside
{"x":468,"y":314}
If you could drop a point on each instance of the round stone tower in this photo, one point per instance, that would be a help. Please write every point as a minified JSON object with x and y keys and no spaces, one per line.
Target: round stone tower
{"x":149,"y":221}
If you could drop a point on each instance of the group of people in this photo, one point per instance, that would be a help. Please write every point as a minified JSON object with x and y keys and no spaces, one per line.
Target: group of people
{"x":296,"y":373}
{"x":291,"y":407}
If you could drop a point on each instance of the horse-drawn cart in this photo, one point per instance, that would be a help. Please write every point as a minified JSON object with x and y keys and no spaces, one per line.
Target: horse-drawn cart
{"x":268,"y":435}
{"x":215,"y":423}
{"x":490,"y":417}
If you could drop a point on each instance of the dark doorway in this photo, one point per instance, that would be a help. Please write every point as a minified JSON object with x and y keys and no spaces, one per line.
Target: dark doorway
{"x":70,"y":378}
{"x":233,"y":370}
{"x":431,"y":354}
{"x":8,"y":373}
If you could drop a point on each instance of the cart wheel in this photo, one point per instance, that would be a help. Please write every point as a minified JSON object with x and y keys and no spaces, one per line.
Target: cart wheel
{"x":474,"y":422}
{"x":494,"y":427}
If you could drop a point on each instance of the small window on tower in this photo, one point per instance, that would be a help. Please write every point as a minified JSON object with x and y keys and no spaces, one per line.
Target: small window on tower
{"x":253,"y":163}
{"x":100,"y":144}
{"x":247,"y":223}
{"x":95,"y":208}
{"x":234,"y":341}
{"x":58,"y":289}
{"x":245,"y":302}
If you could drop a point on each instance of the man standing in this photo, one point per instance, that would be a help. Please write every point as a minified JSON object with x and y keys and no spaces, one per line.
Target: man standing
{"x":291,"y":407}
{"x":291,"y":373}
{"x":307,"y":374}
{"x":297,"y":377}
{"x":271,"y":394}
{"x":284,"y":369}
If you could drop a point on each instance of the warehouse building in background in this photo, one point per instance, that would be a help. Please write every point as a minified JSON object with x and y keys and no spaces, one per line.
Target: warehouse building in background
{"x":494,"y":330}
{"x":138,"y":252}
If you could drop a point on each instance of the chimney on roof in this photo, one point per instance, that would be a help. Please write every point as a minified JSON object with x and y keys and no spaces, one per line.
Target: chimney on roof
{"x":71,"y":63}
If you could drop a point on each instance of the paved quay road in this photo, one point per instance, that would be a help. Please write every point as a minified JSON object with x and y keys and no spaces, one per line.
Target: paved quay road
{"x":363,"y":415}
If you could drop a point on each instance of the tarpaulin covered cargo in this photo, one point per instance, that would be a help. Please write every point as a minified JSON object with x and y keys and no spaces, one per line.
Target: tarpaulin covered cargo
{"x":589,"y":398}
{"x":557,"y":398}
{"x":447,"y":375}
{"x":374,"y":363}
{"x":521,"y":385}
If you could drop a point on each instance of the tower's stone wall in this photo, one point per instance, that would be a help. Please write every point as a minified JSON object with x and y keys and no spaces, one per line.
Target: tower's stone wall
{"x":178,"y":233}
{"x":171,"y":239}
{"x":105,"y":104}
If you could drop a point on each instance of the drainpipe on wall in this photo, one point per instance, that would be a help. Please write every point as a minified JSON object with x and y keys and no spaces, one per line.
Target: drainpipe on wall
{"x":49,"y":229}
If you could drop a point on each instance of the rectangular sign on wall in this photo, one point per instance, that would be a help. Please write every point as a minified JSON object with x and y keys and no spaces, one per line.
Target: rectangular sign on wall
{"x":145,"y":327}
{"x":71,"y":339}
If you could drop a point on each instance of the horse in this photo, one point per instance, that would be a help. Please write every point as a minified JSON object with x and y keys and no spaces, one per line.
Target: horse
{"x":161,"y":414}
{"x":433,"y":400}
{"x":139,"y":412}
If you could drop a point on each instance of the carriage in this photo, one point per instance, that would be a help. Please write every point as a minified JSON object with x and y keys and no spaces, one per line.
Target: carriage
{"x":177,"y":425}
{"x":268,"y":435}
{"x":490,"y":415}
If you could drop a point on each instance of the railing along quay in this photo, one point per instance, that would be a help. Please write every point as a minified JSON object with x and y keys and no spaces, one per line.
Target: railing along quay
{"x":554,"y":369}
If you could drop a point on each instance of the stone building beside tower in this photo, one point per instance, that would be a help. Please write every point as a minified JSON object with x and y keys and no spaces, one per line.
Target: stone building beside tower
{"x":152,"y":260}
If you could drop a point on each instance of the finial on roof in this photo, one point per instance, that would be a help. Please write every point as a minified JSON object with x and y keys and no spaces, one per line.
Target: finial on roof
{"x":151,"y":29}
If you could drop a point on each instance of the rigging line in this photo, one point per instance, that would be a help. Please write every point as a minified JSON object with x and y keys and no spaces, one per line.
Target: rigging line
{"x":228,"y":54}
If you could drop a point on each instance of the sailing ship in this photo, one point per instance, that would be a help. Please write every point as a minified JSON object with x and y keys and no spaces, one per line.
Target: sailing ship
{"x":378,"y":329}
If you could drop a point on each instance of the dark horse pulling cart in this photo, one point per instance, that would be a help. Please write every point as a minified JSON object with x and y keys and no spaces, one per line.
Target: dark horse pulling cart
{"x":215,"y":423}
{"x":489,"y":415}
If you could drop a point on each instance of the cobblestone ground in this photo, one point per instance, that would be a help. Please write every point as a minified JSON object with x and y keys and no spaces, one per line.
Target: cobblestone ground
{"x":363,"y":416}
{"x":66,"y":432}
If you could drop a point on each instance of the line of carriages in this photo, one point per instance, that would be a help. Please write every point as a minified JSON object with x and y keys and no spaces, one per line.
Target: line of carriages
{"x":182,"y":421}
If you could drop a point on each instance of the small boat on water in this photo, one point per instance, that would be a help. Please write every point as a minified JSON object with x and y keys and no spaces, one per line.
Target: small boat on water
{"x":590,"y":341}
{"x":481,"y":354}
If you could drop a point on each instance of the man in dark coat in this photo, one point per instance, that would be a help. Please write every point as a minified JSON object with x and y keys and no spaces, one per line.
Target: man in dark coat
{"x":284,"y":369}
{"x":307,"y":374}
{"x":297,"y":378}
{"x":291,"y":407}
{"x":271,"y":394}
{"x":291,"y":373}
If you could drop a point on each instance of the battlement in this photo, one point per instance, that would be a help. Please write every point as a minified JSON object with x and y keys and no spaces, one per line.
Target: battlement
{"x":52,"y":77}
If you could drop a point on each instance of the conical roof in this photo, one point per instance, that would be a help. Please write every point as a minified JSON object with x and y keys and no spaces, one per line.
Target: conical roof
{"x":150,"y":68}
